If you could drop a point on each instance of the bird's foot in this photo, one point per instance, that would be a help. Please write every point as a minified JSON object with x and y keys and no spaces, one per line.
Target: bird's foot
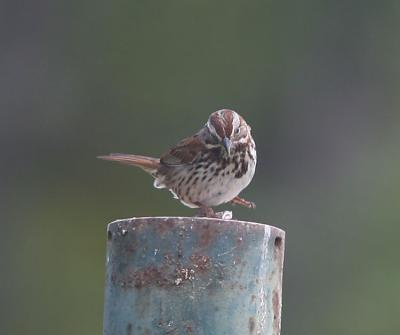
{"x":243,"y":202}
{"x":209,"y":213}
{"x":225,"y":215}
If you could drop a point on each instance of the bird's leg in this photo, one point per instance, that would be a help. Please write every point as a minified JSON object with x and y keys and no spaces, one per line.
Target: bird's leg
{"x":243,"y":202}
{"x":207,"y":212}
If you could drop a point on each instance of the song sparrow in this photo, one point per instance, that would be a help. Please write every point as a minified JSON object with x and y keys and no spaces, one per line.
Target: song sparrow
{"x":208,"y":169}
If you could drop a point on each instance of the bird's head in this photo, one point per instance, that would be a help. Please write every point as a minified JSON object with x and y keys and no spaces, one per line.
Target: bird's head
{"x":228,"y":128}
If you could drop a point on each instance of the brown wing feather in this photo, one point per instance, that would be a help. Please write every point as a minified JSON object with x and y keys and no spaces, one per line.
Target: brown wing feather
{"x":148,"y":164}
{"x":184,"y":152}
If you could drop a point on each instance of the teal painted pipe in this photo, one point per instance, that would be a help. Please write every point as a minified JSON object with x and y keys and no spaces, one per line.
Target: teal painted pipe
{"x":193,"y":276}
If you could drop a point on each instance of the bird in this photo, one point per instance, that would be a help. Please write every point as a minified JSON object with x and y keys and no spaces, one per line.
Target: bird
{"x":207,"y":169}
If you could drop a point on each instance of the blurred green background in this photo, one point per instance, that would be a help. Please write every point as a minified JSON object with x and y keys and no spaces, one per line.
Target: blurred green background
{"x":317,"y":80}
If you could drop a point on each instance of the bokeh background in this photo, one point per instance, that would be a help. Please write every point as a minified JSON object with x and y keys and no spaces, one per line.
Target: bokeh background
{"x":317,"y":80}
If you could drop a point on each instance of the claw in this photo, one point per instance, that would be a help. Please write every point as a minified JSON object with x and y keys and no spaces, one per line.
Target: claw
{"x":225,"y":215}
{"x":208,"y":212}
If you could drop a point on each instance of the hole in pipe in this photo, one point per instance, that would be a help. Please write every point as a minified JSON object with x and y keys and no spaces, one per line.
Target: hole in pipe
{"x":278,"y":242}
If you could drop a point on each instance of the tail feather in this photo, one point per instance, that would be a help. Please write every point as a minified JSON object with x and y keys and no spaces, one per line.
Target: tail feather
{"x":149,"y":164}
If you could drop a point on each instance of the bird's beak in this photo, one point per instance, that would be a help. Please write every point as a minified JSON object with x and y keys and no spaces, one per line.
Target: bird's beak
{"x":226,"y":142}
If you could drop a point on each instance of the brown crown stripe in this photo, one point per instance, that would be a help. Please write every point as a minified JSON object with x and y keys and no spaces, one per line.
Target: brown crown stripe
{"x":217,"y":124}
{"x":228,"y":117}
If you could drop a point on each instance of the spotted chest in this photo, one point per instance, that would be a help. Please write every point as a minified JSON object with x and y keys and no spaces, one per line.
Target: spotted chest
{"x":213,"y":178}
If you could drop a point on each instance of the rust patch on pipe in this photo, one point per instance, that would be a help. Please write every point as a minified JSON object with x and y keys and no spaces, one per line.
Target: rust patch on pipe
{"x":146,"y":277}
{"x":189,"y":330}
{"x":167,"y":327}
{"x":276,"y":307}
{"x":169,"y":274}
{"x":200,"y":262}
{"x":129,"y":329}
{"x":207,"y":234}
{"x":252,"y":325}
{"x":166,"y":226}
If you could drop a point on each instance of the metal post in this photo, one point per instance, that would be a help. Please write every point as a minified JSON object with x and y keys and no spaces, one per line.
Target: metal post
{"x":193,"y":276}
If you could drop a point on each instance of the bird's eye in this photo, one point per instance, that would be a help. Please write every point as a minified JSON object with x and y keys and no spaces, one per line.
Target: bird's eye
{"x":237,"y":131}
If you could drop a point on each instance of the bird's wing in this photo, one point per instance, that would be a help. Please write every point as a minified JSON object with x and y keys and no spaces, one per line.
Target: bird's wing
{"x":184,"y":152}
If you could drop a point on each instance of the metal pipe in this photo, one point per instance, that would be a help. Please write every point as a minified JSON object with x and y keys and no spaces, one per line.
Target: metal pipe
{"x":194,"y":276}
